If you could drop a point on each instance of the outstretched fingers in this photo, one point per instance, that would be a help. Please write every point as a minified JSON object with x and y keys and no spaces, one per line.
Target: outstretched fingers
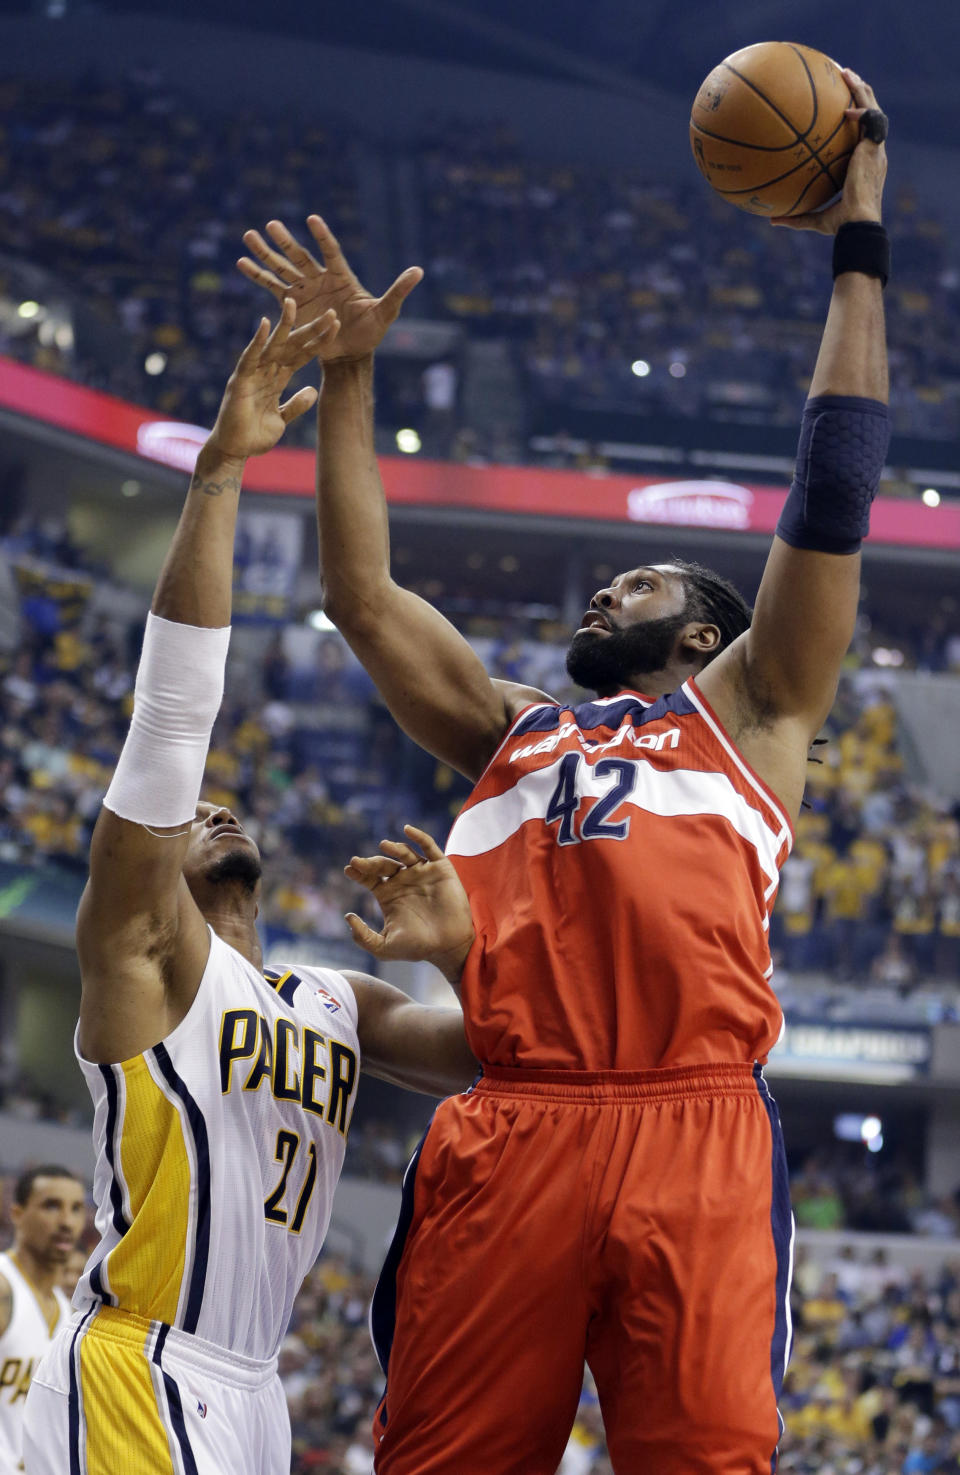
{"x":282,"y":331}
{"x":292,"y":249}
{"x":395,"y":296}
{"x":323,"y":329}
{"x":287,"y":349}
{"x":253,"y":353}
{"x":277,"y":263}
{"x":333,"y":257}
{"x":293,"y":347}
{"x":261,"y":277}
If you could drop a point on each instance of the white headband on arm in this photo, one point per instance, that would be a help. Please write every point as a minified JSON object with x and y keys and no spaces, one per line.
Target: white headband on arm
{"x":176,"y":699}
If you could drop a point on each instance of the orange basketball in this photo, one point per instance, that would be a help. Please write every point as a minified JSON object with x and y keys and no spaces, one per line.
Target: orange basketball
{"x":768,"y":128}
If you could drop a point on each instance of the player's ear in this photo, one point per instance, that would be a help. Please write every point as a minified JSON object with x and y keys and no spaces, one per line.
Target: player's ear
{"x":701,"y":640}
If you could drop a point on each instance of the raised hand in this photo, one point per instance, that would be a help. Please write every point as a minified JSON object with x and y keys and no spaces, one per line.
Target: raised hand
{"x":251,"y":418}
{"x":426,"y":914}
{"x":288,"y":269}
{"x":863,"y":187}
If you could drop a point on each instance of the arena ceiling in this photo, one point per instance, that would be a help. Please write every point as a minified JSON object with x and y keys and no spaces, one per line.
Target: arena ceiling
{"x":910,"y":51}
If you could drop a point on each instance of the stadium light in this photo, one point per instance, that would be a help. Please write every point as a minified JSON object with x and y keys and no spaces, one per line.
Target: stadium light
{"x":870,"y":1129}
{"x":408,"y":441}
{"x":29,"y":310}
{"x":850,"y":1126}
{"x":930,"y":497}
{"x":640,"y":367}
{"x":155,"y":363}
{"x":678,"y":369}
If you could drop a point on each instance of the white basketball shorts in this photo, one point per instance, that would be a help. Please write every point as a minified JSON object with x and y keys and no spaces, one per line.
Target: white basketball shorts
{"x":118,"y":1393}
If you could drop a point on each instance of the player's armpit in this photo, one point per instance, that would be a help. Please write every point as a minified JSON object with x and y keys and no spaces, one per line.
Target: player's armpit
{"x":416,"y":1046}
{"x":517,"y":698}
{"x":773,"y":688}
{"x":141,"y":940}
{"x":786,"y":666}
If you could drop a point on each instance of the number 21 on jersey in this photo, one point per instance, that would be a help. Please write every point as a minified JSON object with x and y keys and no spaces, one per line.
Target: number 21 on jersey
{"x":566,"y":799}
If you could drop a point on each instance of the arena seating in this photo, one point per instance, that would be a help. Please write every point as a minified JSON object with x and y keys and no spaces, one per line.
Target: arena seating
{"x":582,"y":273}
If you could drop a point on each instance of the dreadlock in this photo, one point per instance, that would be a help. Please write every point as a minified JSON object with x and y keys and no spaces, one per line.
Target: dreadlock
{"x":715,"y":601}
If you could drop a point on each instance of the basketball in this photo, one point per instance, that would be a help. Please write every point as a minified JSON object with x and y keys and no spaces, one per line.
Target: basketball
{"x":768,"y":129}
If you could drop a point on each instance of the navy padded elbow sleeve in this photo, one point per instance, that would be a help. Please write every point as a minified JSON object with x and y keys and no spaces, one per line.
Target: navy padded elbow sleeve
{"x":842,"y":450}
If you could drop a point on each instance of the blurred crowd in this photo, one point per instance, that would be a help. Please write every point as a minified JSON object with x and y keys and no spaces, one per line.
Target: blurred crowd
{"x":843,"y":1185}
{"x":661,"y":298}
{"x":125,"y":209}
{"x":871,"y":889}
{"x":873,"y":1387}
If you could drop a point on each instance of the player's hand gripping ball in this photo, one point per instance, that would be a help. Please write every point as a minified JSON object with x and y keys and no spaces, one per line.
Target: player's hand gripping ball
{"x":770,"y":131}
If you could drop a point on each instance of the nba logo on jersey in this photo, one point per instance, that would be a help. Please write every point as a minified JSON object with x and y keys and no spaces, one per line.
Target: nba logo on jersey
{"x":328,"y":1001}
{"x":201,"y":1409}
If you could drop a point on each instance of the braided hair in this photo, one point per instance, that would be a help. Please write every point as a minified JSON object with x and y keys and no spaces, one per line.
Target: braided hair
{"x":714,"y":600}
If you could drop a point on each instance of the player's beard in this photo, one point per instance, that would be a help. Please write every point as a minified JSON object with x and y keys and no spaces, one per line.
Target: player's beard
{"x":242,"y":864}
{"x":606,"y":662}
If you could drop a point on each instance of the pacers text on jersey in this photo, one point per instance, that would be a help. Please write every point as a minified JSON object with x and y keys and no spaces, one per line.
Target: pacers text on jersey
{"x":291,"y":1060}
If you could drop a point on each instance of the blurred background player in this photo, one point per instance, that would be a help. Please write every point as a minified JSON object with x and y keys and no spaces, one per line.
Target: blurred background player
{"x":70,"y":1272}
{"x":618,"y":995}
{"x":49,"y":1212}
{"x":223,"y":1094}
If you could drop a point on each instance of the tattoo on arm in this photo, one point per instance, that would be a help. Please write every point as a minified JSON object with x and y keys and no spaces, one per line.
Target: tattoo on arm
{"x":212,"y":488}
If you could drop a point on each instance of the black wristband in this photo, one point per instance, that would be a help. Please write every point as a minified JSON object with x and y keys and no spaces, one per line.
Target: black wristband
{"x":862,"y":245}
{"x":875,"y":125}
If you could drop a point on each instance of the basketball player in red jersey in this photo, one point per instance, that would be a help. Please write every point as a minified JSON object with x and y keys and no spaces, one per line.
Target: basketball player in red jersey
{"x":615,"y":1187}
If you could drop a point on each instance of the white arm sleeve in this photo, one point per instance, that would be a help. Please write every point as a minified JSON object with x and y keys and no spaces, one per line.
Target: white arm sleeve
{"x":175,"y":704}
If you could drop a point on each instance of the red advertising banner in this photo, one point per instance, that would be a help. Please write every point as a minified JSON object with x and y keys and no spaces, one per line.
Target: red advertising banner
{"x":409,"y":480}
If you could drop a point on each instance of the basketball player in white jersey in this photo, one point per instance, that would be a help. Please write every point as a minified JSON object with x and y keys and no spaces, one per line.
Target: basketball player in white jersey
{"x":222,"y":1094}
{"x":48,"y":1213}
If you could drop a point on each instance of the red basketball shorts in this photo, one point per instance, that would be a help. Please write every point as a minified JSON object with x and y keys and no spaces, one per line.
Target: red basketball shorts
{"x":638,"y":1221}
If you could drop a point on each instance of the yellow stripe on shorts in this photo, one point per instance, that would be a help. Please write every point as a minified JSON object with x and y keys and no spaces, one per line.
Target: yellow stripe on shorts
{"x":145,"y":1270}
{"x":125,"y":1434}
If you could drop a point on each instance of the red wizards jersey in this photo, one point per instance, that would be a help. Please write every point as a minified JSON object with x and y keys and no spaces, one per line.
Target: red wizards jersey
{"x":622,"y":861}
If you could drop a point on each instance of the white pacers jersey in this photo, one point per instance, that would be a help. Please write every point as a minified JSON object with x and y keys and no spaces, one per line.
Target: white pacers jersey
{"x":22,"y":1345}
{"x":218,"y":1152}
